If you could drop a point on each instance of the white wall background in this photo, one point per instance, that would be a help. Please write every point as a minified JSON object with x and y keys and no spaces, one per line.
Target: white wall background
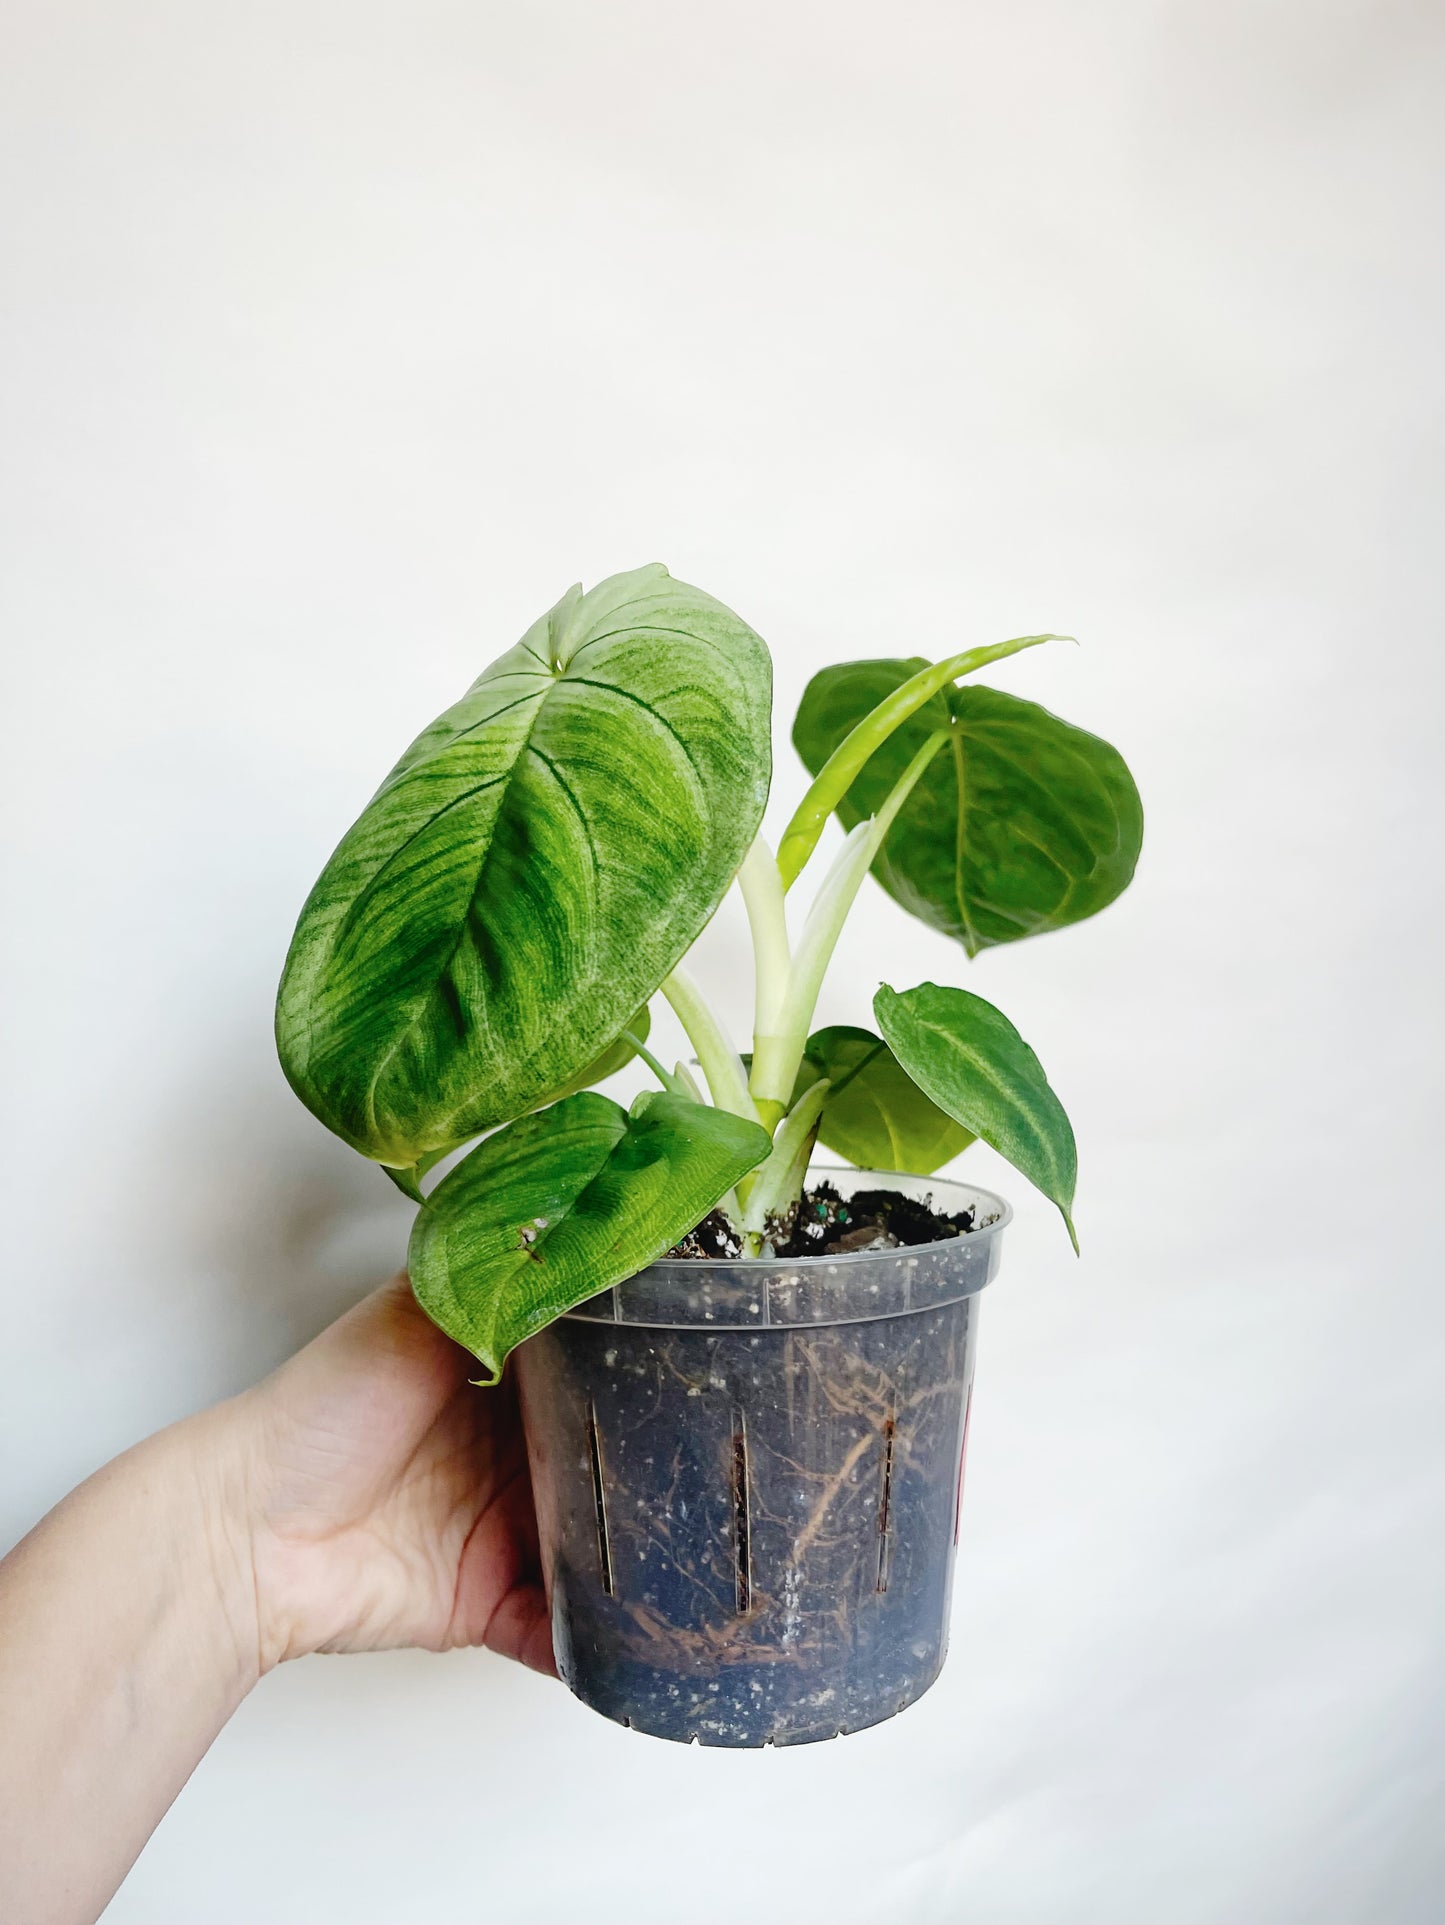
{"x":338,"y":339}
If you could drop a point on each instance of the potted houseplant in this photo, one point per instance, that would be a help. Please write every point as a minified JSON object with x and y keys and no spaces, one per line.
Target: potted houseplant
{"x":745,"y":1382}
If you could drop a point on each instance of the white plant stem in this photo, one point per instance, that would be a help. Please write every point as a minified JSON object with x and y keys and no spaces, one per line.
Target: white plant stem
{"x":778,"y":1051}
{"x":762,"y":893}
{"x":787,"y":985}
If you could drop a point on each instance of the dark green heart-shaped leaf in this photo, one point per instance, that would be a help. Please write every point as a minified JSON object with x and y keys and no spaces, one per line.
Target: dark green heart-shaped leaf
{"x":564,"y":1203}
{"x":530,"y":870}
{"x":1023,"y":824}
{"x":875,"y":1114}
{"x":971,"y":1060}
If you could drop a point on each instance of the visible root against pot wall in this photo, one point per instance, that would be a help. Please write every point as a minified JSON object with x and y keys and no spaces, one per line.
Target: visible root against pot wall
{"x":742,"y":1519}
{"x":885,"y":1505}
{"x":751,"y":1530}
{"x":599,"y":1496}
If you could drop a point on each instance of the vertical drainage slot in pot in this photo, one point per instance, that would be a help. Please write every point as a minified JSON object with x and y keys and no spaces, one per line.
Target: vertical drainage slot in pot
{"x":742,"y":1527}
{"x":885,"y":1506}
{"x":599,"y":1498}
{"x":962,"y":1460}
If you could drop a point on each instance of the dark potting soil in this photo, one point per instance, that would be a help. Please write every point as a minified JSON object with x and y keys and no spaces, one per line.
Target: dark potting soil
{"x":825,"y":1224}
{"x":714,"y":1237}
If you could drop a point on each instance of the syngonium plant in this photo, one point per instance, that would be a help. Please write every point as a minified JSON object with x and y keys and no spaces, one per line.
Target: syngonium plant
{"x":484,"y":944}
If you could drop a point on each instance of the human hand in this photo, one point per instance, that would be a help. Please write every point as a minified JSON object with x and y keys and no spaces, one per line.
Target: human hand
{"x":364,"y":1495}
{"x":386,"y":1499}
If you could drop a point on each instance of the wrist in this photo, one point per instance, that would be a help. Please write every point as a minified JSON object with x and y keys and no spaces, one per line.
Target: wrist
{"x":204,"y":1468}
{"x":260,"y":1564}
{"x":127,"y":1639}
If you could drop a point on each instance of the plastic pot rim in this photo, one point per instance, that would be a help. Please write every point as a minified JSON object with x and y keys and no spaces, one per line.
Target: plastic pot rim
{"x":843,"y":1269}
{"x":1001,"y":1218}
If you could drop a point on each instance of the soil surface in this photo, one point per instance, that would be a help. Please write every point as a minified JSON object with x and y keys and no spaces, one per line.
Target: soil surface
{"x":827,"y":1224}
{"x":713,"y":1238}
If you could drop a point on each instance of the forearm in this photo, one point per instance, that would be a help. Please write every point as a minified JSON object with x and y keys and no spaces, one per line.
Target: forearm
{"x":364,"y":1496}
{"x":127,"y":1637}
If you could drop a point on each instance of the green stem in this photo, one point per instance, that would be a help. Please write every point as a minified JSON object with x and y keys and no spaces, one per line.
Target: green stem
{"x":843,"y":766}
{"x":674,"y":1085}
{"x":408,"y":1178}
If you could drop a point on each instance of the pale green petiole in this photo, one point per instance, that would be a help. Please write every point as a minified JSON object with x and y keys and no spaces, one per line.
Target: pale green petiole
{"x":677,"y":1083}
{"x":762,"y":891}
{"x":843,"y":766}
{"x":721,"y":1064}
{"x":687,"y":1083}
{"x":778,"y":1183}
{"x":788,"y":977}
{"x":778,"y":1053}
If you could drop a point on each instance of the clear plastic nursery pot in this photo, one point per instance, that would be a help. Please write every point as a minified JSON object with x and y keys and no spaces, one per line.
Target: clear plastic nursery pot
{"x":747,"y":1479}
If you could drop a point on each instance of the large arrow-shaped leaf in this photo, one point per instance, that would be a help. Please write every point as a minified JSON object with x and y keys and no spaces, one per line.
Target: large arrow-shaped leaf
{"x":564,"y":1203}
{"x":874,"y":1113}
{"x":531,"y":869}
{"x":1024,"y":824}
{"x":971,"y":1060}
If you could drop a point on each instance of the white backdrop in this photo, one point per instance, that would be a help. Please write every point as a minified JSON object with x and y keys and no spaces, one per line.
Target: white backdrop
{"x":336,"y":341}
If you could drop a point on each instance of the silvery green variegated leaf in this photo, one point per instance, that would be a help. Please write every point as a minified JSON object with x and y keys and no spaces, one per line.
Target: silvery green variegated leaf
{"x":1024,"y":824}
{"x":970,"y":1059}
{"x":616,"y":1056}
{"x":531,"y":869}
{"x":874,"y":1113}
{"x":563,"y":1203}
